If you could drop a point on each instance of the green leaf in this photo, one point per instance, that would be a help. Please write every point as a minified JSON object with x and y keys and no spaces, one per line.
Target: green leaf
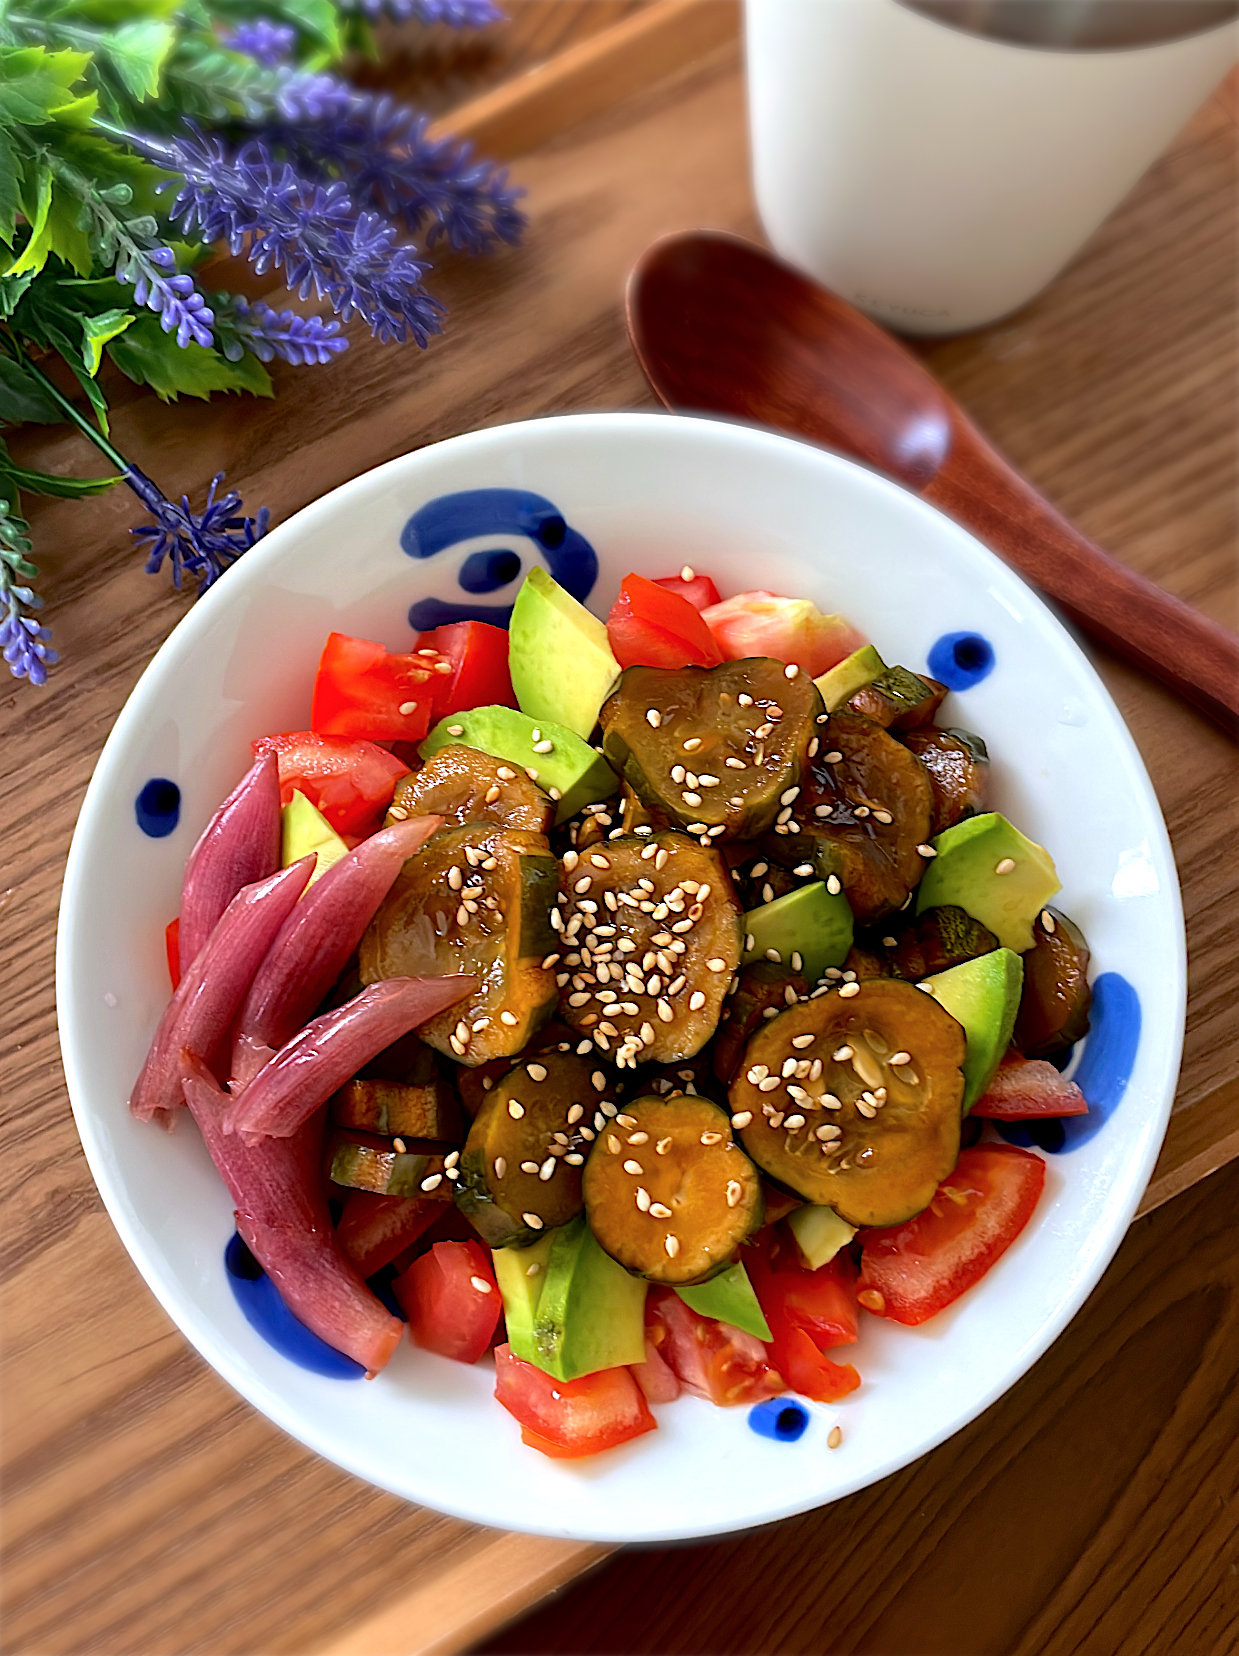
{"x":316,"y":18}
{"x":23,"y":398}
{"x":136,"y":51}
{"x":10,"y":176}
{"x":11,"y":290}
{"x":34,"y":255}
{"x":35,"y":84}
{"x":97,"y":330}
{"x":45,"y":483}
{"x":151,"y":357}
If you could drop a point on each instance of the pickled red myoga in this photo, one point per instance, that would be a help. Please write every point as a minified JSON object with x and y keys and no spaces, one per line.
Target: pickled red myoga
{"x":718,"y":751}
{"x":852,"y":1099}
{"x":650,"y":935}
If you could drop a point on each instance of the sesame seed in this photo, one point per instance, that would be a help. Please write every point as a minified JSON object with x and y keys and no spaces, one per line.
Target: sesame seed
{"x":788,"y":794}
{"x":547,"y":1168}
{"x":692,"y":799}
{"x":643,"y":1199}
{"x":598,"y":860}
{"x":793,"y":1122}
{"x":691,"y":744}
{"x":773,"y":954}
{"x":898,"y":1058}
{"x":906,"y":1074}
{"x":872,"y":1300}
{"x":505,"y":774}
{"x":672,"y":1245}
{"x":433,"y":1182}
{"x":833,"y":885}
{"x":509,"y":1018}
{"x":398,"y":813}
{"x":625,"y":1120}
{"x":457,"y":1045}
{"x":631,"y":1166}
{"x":791,"y":670}
{"x":452,"y":730}
{"x":802,"y":1041}
{"x":734,"y":1192}
{"x":583,"y":884}
{"x":847,"y":990}
{"x":743,"y":1117}
{"x":735,"y":764}
{"x":744,"y":699}
{"x":663,"y":1145}
{"x":481,"y":1284}
{"x":829,"y":1132}
{"x":688,"y":573}
{"x":814,"y":744}
{"x":531,"y":773}
{"x":833,"y":757}
{"x":544,"y":746}
{"x":882,"y":816}
{"x":834,"y":1437}
{"x":1006,"y":866}
{"x":926,"y":851}
{"x":711,"y":1138}
{"x":533,"y":1220}
{"x":653,"y":717}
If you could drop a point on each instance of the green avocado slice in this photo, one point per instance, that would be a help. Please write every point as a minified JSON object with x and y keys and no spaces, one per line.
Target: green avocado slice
{"x":811,"y":923}
{"x":591,"y":1313}
{"x":983,"y":995}
{"x":729,"y":1298}
{"x":520,"y":1273}
{"x":848,"y":676}
{"x":305,"y":830}
{"x":558,"y":654}
{"x":569,"y":769}
{"x":988,"y":868}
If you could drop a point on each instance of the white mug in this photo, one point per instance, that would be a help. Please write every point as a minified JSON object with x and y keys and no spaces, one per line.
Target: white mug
{"x":938,"y":177}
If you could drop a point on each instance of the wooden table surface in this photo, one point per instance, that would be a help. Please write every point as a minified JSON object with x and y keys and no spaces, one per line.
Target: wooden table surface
{"x":146,"y":1509}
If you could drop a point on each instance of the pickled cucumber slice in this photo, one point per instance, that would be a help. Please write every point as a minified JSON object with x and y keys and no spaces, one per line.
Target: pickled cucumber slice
{"x":668,"y":1191}
{"x":761,"y":990}
{"x":368,"y":1164}
{"x":717,"y":750}
{"x":862,"y":812}
{"x":477,"y":899}
{"x":549,"y":754}
{"x":899,"y":699}
{"x":520,"y":1170}
{"x":650,"y":939}
{"x":387,"y":1107}
{"x":852,"y":1099}
{"x":463,"y":784}
{"x":957,"y":764}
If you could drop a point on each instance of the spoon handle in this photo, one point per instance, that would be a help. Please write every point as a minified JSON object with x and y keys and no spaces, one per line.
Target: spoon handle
{"x":1160,"y":633}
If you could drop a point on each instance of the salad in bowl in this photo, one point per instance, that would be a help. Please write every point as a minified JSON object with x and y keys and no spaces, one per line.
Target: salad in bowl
{"x":605,"y":1023}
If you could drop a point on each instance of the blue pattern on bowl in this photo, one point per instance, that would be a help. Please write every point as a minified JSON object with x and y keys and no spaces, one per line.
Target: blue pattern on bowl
{"x":961,"y":659}
{"x":778,"y":1419}
{"x":449,"y":519}
{"x":158,"y":807}
{"x":266,"y":1312}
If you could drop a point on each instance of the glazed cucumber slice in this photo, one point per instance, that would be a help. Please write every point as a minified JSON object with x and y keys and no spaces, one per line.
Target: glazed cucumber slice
{"x":957,"y":764}
{"x":476,"y":899}
{"x":651,"y":936}
{"x":463,"y":784}
{"x":852,"y":1099}
{"x":761,"y":991}
{"x":520,"y":1170}
{"x":390,"y":1108}
{"x":1056,"y":997}
{"x":386,"y":1170}
{"x":898,"y":699}
{"x":668,"y":1191}
{"x":717,"y":750}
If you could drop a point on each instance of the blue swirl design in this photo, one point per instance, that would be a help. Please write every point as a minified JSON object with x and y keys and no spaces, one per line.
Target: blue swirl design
{"x":778,"y":1419}
{"x":266,"y":1312}
{"x":158,"y":807}
{"x":449,"y":519}
{"x":961,"y":659}
{"x":1102,"y":1074}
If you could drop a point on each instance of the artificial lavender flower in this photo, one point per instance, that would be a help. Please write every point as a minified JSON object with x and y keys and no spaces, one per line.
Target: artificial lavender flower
{"x":391,"y":165}
{"x":204,"y":544}
{"x":457,"y":14}
{"x":266,"y":42}
{"x":313,"y":231}
{"x":181,"y":309}
{"x":267,"y":333}
{"x":23,"y":642}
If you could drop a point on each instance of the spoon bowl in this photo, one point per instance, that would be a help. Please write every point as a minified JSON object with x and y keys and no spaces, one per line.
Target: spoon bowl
{"x":721,"y":326}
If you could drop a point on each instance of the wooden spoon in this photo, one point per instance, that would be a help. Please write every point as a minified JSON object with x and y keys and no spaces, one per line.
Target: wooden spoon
{"x":721,"y":326}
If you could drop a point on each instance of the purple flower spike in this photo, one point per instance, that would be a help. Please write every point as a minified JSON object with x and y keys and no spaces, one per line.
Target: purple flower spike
{"x":23,"y":642}
{"x":181,"y":309}
{"x":302,"y":340}
{"x":266,"y":42}
{"x":204,"y":544}
{"x":457,"y":14}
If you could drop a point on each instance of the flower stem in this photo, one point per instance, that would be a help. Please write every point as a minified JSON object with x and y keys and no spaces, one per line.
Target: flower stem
{"x":67,"y":408}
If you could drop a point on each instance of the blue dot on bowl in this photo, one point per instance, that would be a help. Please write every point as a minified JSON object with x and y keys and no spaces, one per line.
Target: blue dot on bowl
{"x":266,"y":1312}
{"x":961,"y":659}
{"x":158,"y":807}
{"x":488,"y":571}
{"x":776,"y":1418}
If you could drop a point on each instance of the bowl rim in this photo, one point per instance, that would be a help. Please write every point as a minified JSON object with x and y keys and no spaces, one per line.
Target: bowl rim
{"x":251,"y":571}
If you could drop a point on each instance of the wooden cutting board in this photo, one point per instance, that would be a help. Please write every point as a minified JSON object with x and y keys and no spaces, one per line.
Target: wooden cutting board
{"x":146,"y":1509}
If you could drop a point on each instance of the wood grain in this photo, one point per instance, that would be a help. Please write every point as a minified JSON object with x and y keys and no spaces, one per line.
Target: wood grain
{"x":1089,"y":1512}
{"x":148,"y":1512}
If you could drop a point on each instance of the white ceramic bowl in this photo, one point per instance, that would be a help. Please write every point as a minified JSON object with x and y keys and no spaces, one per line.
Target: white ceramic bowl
{"x":650,"y":493}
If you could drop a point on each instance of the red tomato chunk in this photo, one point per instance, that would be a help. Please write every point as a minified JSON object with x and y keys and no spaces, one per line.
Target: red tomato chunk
{"x":789,"y":629}
{"x":710,"y":1359}
{"x":700,"y":591}
{"x":911,"y":1271}
{"x":451,"y":1301}
{"x":809,"y":1313}
{"x":650,"y":626}
{"x":373,"y":1230}
{"x":571,"y":1418}
{"x":351,"y":783}
{"x":480,"y":677}
{"x":1025,"y":1089}
{"x":363,"y":691}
